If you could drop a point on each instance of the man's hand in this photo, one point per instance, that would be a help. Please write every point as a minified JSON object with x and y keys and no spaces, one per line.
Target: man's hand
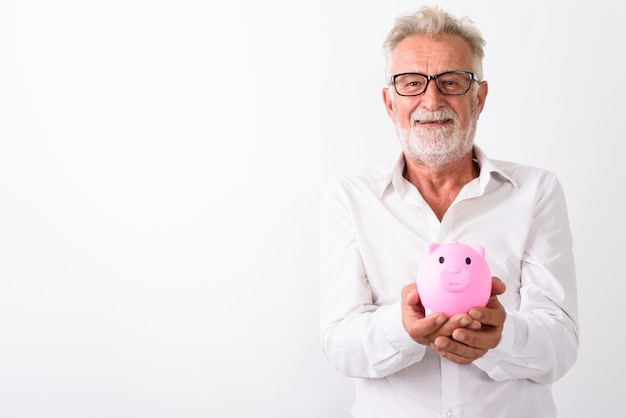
{"x":465,"y":344}
{"x":426,"y":329}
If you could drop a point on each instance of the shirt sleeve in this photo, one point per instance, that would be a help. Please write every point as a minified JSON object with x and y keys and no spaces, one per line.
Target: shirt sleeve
{"x":540,"y":340}
{"x":359,"y":338}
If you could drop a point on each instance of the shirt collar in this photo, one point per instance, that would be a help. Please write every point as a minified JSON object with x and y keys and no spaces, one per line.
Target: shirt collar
{"x":395,"y":172}
{"x":487,"y":167}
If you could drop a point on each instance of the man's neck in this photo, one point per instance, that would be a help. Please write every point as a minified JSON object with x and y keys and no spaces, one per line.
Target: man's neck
{"x":439,"y":187}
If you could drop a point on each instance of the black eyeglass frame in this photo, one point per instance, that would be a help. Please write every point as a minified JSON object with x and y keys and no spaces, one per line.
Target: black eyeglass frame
{"x":436,"y":78}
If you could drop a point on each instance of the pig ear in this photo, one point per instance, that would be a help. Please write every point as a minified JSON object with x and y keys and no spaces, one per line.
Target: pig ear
{"x":431,"y":248}
{"x":479,"y":249}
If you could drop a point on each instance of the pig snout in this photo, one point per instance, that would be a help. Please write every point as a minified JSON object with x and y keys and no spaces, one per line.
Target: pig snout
{"x":454,"y":279}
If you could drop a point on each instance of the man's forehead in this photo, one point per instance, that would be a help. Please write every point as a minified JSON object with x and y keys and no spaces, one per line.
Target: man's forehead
{"x":419,"y":51}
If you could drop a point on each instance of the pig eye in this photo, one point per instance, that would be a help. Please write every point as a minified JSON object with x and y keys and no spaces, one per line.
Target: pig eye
{"x":468,"y":261}
{"x":441,"y":260}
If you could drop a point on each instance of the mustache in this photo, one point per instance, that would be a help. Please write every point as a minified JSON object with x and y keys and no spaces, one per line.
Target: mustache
{"x":421,"y":115}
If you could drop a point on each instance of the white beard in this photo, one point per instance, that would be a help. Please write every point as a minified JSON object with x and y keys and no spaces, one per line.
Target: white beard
{"x":436,"y":148}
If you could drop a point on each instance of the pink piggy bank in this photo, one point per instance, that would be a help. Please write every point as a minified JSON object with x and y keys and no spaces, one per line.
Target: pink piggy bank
{"x":453,"y":278}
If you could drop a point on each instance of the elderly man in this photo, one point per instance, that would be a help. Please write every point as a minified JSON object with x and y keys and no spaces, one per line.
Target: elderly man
{"x":493,"y":361}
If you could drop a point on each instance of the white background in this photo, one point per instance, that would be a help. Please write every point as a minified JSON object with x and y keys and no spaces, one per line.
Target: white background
{"x":161,"y":165}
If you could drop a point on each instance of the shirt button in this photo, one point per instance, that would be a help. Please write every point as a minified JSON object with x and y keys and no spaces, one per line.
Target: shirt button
{"x":451,"y":414}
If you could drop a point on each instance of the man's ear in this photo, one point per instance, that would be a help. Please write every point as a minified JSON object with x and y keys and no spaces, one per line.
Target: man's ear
{"x":483,"y":89}
{"x":388,"y":100}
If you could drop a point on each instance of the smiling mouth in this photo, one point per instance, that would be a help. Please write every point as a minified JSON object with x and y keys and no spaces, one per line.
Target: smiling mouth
{"x":431,"y":122}
{"x":424,"y":121}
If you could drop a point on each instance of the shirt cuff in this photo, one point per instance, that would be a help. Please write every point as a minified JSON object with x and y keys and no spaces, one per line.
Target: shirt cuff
{"x":490,"y":362}
{"x":396,"y":334}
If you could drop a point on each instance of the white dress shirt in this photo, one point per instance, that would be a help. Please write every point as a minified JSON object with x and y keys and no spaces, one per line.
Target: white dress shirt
{"x":375,"y":228}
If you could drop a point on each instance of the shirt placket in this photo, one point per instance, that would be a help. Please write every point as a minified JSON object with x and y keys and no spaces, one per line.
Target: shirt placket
{"x":450,"y":389}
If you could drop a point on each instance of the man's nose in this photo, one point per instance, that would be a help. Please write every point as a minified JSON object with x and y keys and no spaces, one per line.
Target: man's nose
{"x":432,"y":97}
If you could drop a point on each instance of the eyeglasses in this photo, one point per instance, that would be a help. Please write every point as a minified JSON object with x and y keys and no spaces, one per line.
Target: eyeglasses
{"x":451,"y":82}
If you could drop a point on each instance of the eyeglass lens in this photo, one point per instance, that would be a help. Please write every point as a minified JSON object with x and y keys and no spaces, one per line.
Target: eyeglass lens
{"x":448,"y":83}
